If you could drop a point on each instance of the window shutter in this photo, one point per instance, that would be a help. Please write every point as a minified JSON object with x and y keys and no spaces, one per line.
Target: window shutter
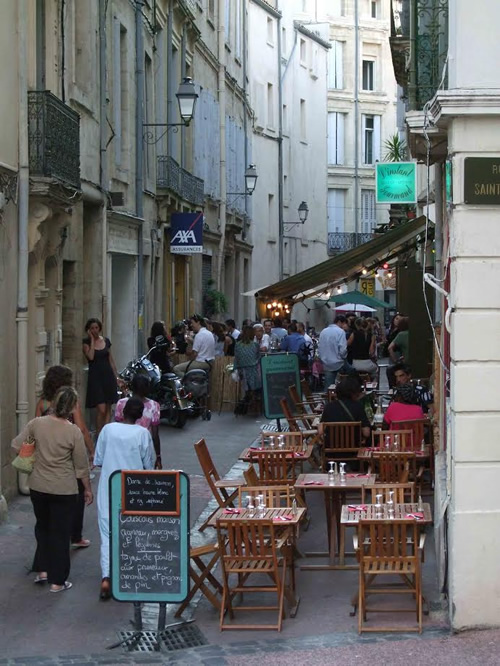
{"x":340,"y":137}
{"x":332,"y":138}
{"x":339,"y":64}
{"x":376,"y":138}
{"x":363,"y":138}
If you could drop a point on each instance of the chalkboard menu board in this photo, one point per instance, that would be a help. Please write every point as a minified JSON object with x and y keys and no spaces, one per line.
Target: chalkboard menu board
{"x":149,"y":551}
{"x":147,"y":492}
{"x":279,"y":371}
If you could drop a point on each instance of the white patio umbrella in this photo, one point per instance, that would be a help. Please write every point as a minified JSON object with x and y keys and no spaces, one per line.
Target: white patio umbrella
{"x":354,"y":307}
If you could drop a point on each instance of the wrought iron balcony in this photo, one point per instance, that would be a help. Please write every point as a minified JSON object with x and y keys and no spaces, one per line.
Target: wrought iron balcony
{"x":171,"y":176}
{"x":342,"y":241}
{"x":54,"y":138}
{"x":419,"y":58}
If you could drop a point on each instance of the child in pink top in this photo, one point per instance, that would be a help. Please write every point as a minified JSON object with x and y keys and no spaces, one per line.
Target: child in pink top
{"x":150,"y":418}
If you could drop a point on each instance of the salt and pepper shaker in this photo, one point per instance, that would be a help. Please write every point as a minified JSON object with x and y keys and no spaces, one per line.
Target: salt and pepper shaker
{"x":420,"y":505}
{"x":294,"y":507}
{"x":422,"y":445}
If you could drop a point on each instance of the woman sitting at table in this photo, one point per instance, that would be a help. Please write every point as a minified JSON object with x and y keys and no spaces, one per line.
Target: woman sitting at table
{"x":404,"y":406}
{"x":347,"y":406}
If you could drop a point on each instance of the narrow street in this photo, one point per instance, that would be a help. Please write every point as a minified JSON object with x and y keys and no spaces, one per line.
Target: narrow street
{"x":77,"y":623}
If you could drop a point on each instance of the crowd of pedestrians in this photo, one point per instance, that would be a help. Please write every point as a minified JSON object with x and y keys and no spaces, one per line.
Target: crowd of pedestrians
{"x":60,"y":481}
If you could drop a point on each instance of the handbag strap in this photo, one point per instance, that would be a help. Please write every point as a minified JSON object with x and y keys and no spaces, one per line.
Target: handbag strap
{"x":347,"y":410}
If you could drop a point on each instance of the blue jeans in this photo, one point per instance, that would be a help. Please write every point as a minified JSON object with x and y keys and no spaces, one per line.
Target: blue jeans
{"x":330,"y":377}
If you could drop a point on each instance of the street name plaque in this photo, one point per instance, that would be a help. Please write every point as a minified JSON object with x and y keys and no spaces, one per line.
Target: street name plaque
{"x":482,"y":180}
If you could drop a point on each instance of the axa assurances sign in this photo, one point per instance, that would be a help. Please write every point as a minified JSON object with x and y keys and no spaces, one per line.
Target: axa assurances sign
{"x":186,"y":233}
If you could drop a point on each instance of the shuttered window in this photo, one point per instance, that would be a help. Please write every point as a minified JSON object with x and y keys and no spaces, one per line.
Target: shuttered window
{"x":368,"y":211}
{"x":336,"y":139}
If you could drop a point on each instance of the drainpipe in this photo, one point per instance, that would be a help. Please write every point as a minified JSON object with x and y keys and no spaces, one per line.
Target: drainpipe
{"x":438,"y":237}
{"x":170,"y":78}
{"x":281,"y":222}
{"x":245,"y":105}
{"x":139,"y":167}
{"x":22,"y":210}
{"x":183,"y":74}
{"x":103,"y":166}
{"x":356,"y":116}
{"x":222,"y":134}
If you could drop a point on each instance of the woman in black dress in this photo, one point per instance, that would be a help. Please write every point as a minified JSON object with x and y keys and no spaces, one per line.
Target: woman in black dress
{"x":101,"y":385}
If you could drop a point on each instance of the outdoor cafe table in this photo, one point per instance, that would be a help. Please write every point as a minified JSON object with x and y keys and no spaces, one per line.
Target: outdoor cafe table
{"x":300,"y":455}
{"x":286,"y":520}
{"x":353,"y":513}
{"x":366,"y":453}
{"x":332,"y":495}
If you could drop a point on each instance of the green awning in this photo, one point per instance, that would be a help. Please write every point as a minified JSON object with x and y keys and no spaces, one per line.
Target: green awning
{"x":316,"y":279}
{"x":357,"y":297}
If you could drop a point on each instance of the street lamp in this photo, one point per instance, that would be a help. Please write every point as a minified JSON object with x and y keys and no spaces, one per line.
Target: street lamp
{"x":303,"y":211}
{"x":186,"y":98}
{"x":250,"y":182}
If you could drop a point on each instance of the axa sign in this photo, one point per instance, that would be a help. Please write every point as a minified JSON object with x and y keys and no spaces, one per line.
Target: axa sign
{"x":186,"y":233}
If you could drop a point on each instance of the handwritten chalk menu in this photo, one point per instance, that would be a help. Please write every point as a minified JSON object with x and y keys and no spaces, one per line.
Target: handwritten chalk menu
{"x":279,"y":372}
{"x":149,"y":551}
{"x":147,"y":492}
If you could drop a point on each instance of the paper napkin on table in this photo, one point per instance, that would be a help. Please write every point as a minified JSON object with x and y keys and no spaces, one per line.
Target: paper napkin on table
{"x":357,"y":507}
{"x":282,"y":519}
{"x":229,"y":510}
{"x":358,"y":476}
{"x":417,"y":515}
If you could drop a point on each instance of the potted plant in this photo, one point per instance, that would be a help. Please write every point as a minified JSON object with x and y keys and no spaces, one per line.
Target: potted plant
{"x":214,"y":301}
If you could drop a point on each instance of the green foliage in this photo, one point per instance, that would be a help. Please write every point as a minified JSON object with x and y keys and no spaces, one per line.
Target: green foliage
{"x":395,"y":149}
{"x":214,"y":301}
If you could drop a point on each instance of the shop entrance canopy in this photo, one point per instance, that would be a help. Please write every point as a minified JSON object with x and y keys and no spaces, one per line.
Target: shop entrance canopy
{"x":345,"y":266}
{"x":357,"y":298}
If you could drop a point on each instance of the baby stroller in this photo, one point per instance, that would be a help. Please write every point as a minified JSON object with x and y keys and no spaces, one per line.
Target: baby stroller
{"x":196,"y":385}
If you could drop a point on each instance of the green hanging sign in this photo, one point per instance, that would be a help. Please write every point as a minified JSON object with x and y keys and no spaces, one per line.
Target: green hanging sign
{"x":396,"y":182}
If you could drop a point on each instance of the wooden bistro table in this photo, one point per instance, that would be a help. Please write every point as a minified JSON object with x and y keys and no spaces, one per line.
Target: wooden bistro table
{"x":353,"y":513}
{"x":300,"y":455}
{"x":286,"y":520}
{"x":365,"y":454}
{"x":332,"y":493}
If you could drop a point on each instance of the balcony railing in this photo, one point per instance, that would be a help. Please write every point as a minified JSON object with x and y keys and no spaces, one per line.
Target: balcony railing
{"x":422,"y":72}
{"x":171,"y":176}
{"x":342,"y":241}
{"x":54,"y":138}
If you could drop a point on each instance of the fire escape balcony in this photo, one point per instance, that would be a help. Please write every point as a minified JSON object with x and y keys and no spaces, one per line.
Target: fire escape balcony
{"x":172,"y":177}
{"x":53,"y":138}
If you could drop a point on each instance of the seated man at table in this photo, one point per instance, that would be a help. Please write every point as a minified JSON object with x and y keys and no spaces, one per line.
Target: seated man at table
{"x":402,"y":375}
{"x":404,"y":406}
{"x":347,"y":406}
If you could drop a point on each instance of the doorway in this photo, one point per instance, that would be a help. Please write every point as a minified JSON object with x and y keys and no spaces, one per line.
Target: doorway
{"x":123,"y":332}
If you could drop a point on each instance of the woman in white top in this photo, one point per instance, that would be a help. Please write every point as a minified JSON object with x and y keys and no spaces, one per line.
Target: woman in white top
{"x":219,"y":337}
{"x":261,"y":338}
{"x":120,"y":446}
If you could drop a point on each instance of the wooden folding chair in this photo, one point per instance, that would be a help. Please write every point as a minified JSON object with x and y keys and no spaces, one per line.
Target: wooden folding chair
{"x":304,"y":407}
{"x":395,"y":467}
{"x":310,"y":395}
{"x":251,"y":477}
{"x":249,"y":548}
{"x":274,"y":496}
{"x":341,"y":441}
{"x":218,"y":486}
{"x":404,"y":493}
{"x":297,"y":422}
{"x":294,"y":441}
{"x":417,"y":426}
{"x":402,"y":438}
{"x":203,"y":576}
{"x":389,"y":548}
{"x":275,"y":468}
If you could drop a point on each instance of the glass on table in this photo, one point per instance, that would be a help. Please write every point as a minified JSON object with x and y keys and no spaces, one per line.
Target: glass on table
{"x":250,"y":506}
{"x":378,"y":506}
{"x":332,"y":471}
{"x":390,"y":504}
{"x":281,"y":442}
{"x":395,"y":443}
{"x":387,"y":442}
{"x":261,"y":506}
{"x":342,"y":472}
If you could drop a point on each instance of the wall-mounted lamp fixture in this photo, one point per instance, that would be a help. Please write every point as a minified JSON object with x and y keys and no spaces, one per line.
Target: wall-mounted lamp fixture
{"x":186,"y":98}
{"x":303,"y":211}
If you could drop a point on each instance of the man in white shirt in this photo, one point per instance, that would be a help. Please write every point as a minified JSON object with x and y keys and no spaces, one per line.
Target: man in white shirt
{"x":232,"y":330}
{"x":332,"y":349}
{"x":203,"y":352}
